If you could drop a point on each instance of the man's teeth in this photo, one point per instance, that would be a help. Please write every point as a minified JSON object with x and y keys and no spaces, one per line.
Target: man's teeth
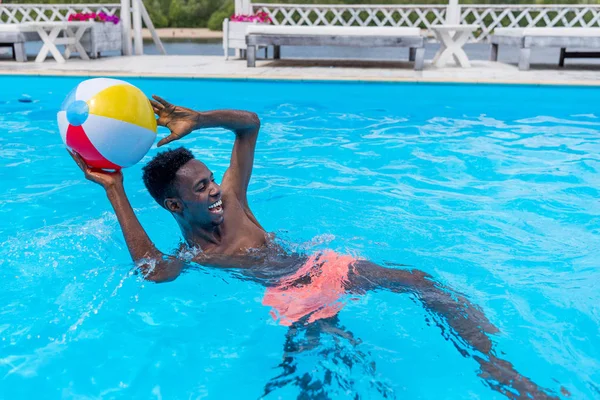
{"x":215,"y":204}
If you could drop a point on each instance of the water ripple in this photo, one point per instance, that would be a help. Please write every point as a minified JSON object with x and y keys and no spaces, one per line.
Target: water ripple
{"x":497,"y":199}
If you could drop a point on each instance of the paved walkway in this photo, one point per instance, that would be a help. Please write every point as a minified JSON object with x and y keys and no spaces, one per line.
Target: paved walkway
{"x":216,"y":67}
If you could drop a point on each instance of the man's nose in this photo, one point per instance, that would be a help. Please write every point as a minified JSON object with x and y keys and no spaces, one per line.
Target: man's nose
{"x":215,"y":190}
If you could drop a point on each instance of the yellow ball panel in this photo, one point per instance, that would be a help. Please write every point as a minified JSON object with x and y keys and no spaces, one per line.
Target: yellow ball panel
{"x":124,"y":103}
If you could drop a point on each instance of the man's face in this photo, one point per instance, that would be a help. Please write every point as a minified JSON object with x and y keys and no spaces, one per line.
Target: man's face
{"x":199,"y":194}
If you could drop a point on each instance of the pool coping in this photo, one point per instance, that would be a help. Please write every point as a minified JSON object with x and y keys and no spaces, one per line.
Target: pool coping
{"x":300,"y":78}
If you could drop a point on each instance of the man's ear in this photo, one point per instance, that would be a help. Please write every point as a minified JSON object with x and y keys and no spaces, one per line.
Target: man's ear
{"x":173,"y":204}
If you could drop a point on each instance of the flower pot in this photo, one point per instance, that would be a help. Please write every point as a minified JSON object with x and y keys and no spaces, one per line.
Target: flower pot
{"x":234,"y":35}
{"x":104,"y":36}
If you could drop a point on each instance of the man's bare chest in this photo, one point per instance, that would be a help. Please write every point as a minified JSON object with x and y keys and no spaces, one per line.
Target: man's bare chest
{"x":239,"y":231}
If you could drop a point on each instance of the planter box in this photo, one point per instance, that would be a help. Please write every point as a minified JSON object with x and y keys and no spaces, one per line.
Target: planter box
{"x":234,"y":35}
{"x":104,"y":36}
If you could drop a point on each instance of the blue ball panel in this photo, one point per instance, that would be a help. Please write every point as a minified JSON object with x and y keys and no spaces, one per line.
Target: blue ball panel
{"x":77,"y":112}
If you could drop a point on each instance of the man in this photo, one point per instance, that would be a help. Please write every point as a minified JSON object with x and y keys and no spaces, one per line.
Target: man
{"x":302,"y":292}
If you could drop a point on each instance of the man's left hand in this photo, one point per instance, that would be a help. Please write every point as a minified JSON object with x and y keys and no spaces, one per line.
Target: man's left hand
{"x":180,"y":120}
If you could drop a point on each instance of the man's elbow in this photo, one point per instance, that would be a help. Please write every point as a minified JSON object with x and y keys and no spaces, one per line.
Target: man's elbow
{"x":161,"y":271}
{"x":254,"y":120}
{"x":159,"y":278}
{"x":248,"y":125}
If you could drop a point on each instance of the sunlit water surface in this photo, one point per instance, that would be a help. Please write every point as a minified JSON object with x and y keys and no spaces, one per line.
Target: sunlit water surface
{"x":493,"y":190}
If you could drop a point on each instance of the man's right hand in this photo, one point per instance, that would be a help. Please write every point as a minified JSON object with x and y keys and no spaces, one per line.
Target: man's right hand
{"x":103,"y":178}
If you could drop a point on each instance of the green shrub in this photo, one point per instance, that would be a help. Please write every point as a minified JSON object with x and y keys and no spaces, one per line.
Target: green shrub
{"x":215,"y":23}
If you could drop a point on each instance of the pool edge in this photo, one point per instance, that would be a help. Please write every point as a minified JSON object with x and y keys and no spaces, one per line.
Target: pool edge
{"x":300,"y":78}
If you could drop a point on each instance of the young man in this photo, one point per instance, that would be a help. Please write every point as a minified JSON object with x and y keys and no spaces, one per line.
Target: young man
{"x":301,"y":291}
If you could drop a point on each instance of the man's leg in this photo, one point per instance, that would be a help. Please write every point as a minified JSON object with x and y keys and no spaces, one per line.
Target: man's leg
{"x":303,"y":338}
{"x":463,"y":318}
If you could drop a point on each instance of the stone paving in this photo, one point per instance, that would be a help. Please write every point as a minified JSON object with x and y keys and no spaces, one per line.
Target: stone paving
{"x":202,"y":66}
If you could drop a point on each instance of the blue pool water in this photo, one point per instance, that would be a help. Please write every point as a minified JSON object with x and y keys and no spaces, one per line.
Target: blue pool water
{"x":493,"y":190}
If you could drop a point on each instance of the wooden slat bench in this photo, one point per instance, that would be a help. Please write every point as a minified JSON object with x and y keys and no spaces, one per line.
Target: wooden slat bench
{"x":11,"y":36}
{"x":277,"y":36}
{"x":529,"y":38}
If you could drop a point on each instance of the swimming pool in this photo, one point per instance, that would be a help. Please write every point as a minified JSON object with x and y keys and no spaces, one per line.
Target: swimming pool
{"x":491,"y":189}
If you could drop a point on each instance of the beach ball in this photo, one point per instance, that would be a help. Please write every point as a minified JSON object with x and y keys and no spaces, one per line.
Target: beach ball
{"x":109,"y":122}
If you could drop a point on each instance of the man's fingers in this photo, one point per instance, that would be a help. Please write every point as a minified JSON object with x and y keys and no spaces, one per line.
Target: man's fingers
{"x":161,"y":100}
{"x":78,"y":160}
{"x":166,"y":140}
{"x":80,"y":163}
{"x":156,"y":105}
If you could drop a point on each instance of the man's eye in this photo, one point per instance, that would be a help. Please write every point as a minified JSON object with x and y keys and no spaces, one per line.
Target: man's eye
{"x":201,"y":188}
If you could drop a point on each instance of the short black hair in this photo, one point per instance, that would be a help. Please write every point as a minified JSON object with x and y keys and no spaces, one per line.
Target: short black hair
{"x":159,"y":173}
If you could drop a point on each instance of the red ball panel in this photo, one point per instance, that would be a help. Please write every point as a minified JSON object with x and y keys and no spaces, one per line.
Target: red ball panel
{"x":78,"y":141}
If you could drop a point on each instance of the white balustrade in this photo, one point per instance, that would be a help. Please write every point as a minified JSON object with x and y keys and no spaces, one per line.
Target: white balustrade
{"x":354,"y":15}
{"x":22,"y":13}
{"x":487,"y":16}
{"x":490,"y":17}
{"x":18,"y":13}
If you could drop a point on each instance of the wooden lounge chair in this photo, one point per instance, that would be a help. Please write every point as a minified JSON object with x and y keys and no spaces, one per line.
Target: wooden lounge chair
{"x":529,"y":38}
{"x":11,"y":36}
{"x":351,"y":36}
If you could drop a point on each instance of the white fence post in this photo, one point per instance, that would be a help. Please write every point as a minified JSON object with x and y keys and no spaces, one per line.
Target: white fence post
{"x":126,"y":27}
{"x":453,"y":13}
{"x":138,"y":43}
{"x":243,"y":7}
{"x":150,"y":26}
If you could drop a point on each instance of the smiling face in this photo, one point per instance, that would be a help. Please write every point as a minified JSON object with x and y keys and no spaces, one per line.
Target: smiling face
{"x":199,"y":197}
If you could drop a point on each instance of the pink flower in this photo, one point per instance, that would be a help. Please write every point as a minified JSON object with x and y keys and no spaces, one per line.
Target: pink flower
{"x":261,"y":17}
{"x":99,"y":17}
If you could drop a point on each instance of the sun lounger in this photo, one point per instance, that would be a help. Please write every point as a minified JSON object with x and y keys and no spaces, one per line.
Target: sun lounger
{"x":276,"y":36}
{"x":11,"y":36}
{"x":528,"y":38}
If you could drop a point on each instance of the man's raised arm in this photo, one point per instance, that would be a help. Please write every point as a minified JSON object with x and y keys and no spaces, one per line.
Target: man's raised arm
{"x":181,"y":121}
{"x":154,"y":264}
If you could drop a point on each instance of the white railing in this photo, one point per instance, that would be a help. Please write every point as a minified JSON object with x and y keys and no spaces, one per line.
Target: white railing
{"x":490,"y":17}
{"x":354,"y":15}
{"x":17,"y":13}
{"x":487,"y":16}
